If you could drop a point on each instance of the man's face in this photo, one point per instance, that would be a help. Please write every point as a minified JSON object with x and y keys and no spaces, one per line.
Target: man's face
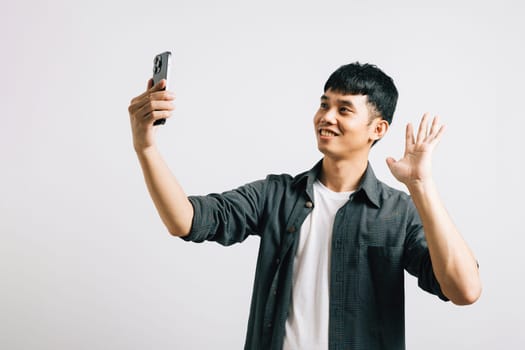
{"x":344,"y":126}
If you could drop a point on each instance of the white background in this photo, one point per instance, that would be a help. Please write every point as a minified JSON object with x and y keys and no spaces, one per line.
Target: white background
{"x":85,"y":262}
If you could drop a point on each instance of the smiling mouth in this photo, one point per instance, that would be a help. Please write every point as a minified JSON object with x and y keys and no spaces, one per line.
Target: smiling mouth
{"x":324,"y":132}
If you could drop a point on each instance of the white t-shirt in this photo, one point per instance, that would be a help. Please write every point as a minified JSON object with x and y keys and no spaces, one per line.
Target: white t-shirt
{"x":307,"y":323}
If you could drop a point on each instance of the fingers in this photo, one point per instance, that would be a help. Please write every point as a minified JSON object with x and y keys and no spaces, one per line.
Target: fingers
{"x":423,"y":128}
{"x":438,"y":134}
{"x":409,"y":135}
{"x":160,"y":86}
{"x":155,"y":110}
{"x":141,"y":108}
{"x":426,"y":133}
{"x":162,"y":95}
{"x":156,"y":115}
{"x":436,"y":130}
{"x":152,"y":100}
{"x":434,"y":127}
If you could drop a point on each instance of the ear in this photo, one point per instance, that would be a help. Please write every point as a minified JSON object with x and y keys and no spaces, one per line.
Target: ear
{"x":380,"y":127}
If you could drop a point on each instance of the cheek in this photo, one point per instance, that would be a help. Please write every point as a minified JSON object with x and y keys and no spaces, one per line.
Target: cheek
{"x":317,"y":117}
{"x":354,"y":129}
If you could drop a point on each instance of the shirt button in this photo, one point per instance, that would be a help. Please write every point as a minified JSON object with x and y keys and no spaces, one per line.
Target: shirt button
{"x":277,"y":261}
{"x":308,"y":204}
{"x":291,"y":229}
{"x":269,"y":325}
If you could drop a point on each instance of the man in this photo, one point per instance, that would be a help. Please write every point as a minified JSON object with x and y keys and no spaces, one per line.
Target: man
{"x":334,"y":241}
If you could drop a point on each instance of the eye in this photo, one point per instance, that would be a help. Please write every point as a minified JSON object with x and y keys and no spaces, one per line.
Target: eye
{"x":344,"y":110}
{"x":323,"y":105}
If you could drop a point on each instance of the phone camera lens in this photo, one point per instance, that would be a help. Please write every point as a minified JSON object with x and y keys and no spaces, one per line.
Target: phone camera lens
{"x":157,"y":64}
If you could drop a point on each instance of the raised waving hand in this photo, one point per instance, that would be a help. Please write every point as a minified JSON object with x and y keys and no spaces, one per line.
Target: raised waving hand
{"x":416,"y":164}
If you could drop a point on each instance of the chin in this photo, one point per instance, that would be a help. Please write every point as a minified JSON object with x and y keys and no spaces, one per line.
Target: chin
{"x":326,"y":152}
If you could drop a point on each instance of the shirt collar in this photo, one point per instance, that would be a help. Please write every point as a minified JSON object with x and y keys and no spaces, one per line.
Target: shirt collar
{"x":306,"y":180}
{"x":368,"y":187}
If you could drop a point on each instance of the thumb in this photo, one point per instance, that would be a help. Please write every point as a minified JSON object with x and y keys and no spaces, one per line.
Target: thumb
{"x":390,"y":162}
{"x":161,"y":85}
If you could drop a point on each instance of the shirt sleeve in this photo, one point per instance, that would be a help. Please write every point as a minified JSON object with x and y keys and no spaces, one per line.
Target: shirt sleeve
{"x":229,"y":217}
{"x":417,"y":256}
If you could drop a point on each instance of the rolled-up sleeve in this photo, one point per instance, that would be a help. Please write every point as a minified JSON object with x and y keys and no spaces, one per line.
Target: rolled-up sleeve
{"x":417,"y":256}
{"x":229,"y":217}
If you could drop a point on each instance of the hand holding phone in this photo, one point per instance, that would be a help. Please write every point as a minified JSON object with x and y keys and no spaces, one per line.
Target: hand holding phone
{"x":161,"y":67}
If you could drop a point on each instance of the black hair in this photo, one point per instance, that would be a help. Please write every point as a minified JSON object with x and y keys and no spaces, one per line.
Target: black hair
{"x":366,"y":79}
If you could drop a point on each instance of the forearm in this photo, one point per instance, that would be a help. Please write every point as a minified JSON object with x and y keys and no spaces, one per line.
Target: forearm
{"x":452,"y":260}
{"x":168,"y":196}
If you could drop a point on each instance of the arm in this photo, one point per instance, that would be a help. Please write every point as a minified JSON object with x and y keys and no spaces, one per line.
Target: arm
{"x":168,"y":196}
{"x":452,"y":260}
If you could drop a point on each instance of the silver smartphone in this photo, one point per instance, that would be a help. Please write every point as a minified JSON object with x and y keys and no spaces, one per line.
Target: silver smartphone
{"x":161,"y":69}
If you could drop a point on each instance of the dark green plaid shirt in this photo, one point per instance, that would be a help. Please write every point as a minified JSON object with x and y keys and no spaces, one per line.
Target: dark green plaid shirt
{"x":377,"y":235}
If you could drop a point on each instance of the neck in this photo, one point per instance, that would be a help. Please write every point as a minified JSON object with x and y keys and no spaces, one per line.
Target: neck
{"x":342,"y":175}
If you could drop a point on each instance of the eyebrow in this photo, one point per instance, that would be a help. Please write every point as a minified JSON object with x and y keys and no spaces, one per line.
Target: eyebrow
{"x":339,"y":101}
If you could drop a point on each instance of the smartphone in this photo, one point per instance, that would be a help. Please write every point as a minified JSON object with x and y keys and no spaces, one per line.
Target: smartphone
{"x":161,"y":69}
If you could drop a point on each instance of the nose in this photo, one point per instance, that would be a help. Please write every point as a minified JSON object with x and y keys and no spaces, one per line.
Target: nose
{"x":328,"y":117}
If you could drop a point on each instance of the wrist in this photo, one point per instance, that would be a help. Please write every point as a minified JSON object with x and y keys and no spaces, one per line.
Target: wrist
{"x":145,"y":152}
{"x":420,"y":186}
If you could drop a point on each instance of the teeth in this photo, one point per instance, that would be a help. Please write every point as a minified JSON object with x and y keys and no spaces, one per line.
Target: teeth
{"x":327,"y":133}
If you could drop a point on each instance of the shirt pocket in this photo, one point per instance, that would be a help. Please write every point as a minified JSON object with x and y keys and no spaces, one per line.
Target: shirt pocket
{"x":381,"y":275}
